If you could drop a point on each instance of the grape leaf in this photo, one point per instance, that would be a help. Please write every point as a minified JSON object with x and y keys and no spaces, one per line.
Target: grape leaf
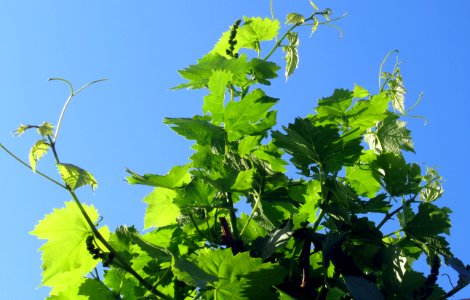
{"x":429,"y":221}
{"x":292,"y":54}
{"x":38,"y":150}
{"x":65,"y":249}
{"x":177,"y":177}
{"x":294,"y":18}
{"x":214,"y":102}
{"x":433,"y":189}
{"x":75,"y":177}
{"x":239,"y":276}
{"x":362,"y":176}
{"x":161,"y":210}
{"x":195,"y":194}
{"x":95,"y":289}
{"x":366,"y":113}
{"x":360,"y":92}
{"x":249,"y":35}
{"x":398,"y":177}
{"x":198,"y":129}
{"x":127,"y":287}
{"x":391,"y":135}
{"x":311,"y":145}
{"x":46,"y":129}
{"x":397,"y":91}
{"x":249,"y":116}
{"x":334,"y":108}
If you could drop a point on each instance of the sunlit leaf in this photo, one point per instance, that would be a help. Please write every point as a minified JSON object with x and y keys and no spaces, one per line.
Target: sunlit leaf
{"x":161,"y":210}
{"x":75,"y":177}
{"x":214,"y":102}
{"x":295,"y":18}
{"x":178,"y":176}
{"x":39,"y":149}
{"x":292,"y":54}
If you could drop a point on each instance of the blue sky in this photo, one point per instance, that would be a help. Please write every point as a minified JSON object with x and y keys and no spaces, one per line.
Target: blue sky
{"x":139,"y":45}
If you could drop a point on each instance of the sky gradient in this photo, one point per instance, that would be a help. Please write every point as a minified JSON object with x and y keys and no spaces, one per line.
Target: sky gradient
{"x":139,"y":45}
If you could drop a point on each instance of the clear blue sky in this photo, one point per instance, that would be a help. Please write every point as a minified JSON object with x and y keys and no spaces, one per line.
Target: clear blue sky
{"x":139,"y":45}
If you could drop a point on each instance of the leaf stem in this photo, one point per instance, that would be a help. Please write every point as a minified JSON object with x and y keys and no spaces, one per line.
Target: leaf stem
{"x":389,"y":215}
{"x":29,"y":167}
{"x":255,"y":208}
{"x":233,"y":218}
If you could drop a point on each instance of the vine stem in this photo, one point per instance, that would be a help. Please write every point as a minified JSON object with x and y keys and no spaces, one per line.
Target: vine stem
{"x":29,"y":167}
{"x":255,"y":208}
{"x":72,"y":94}
{"x":233,"y":218}
{"x":388,"y":216}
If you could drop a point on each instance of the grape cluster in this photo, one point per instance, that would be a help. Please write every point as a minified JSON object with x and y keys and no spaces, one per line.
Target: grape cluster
{"x":97,"y":253}
{"x":231,"y":41}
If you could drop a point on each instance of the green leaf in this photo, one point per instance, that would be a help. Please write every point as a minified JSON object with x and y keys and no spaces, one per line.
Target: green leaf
{"x":196,"y":194}
{"x":360,"y":92}
{"x":366,"y":113}
{"x":295,"y":18}
{"x":239,"y":276}
{"x":397,"y":92}
{"x":433,"y":188}
{"x":191,"y":274}
{"x":261,"y":71}
{"x":177,"y":177}
{"x":334,"y":108}
{"x":38,"y":150}
{"x":249,"y":116}
{"x":21,"y":129}
{"x":274,"y":240}
{"x":198,"y":75}
{"x":391,"y":135}
{"x":161,"y":210}
{"x":214,"y":102}
{"x":127,"y":287}
{"x":75,"y":177}
{"x":65,"y":253}
{"x":311,"y":146}
{"x":362,"y":176}
{"x":256,"y":30}
{"x":292,"y":54}
{"x":95,"y":289}
{"x":362,"y":289}
{"x":429,"y":221}
{"x":398,"y":177}
{"x":198,"y":129}
{"x":244,"y":181}
{"x":46,"y":129}
{"x":248,"y":144}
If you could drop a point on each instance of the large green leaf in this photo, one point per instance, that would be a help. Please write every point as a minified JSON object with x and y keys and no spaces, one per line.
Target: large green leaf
{"x":196,"y":194}
{"x":249,"y":116}
{"x":94,"y":289}
{"x":161,"y":210}
{"x":311,"y":145}
{"x":429,"y":221}
{"x":398,"y":177}
{"x":177,"y":177}
{"x":366,"y":113}
{"x":229,"y":276}
{"x":362,"y":176}
{"x":75,"y":177}
{"x":214,"y":102}
{"x":65,"y":254}
{"x":333,"y":109}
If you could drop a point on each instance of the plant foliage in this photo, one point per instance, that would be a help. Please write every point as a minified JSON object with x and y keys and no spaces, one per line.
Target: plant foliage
{"x":314,"y":235}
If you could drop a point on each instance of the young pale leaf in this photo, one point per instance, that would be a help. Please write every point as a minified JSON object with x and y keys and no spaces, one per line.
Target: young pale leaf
{"x":391,"y":136}
{"x":360,"y":92}
{"x":177,"y":177}
{"x":21,"y":129}
{"x":38,"y":150}
{"x":292,"y":54}
{"x":256,"y":30}
{"x":161,"y":210}
{"x":433,"y":189}
{"x":46,"y":129}
{"x":249,"y":116}
{"x":397,"y":92}
{"x":75,"y":177}
{"x":214,"y":102}
{"x":295,"y":18}
{"x":65,"y":251}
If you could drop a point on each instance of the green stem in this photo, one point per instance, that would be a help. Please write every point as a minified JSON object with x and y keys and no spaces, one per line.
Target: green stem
{"x":388,"y":216}
{"x":29,"y":167}
{"x":233,"y":218}
{"x":318,"y":220}
{"x":255,"y":208}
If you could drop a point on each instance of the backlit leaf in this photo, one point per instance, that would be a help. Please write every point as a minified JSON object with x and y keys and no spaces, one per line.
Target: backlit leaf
{"x":295,"y":18}
{"x":66,"y":230}
{"x":292,"y":54}
{"x":214,"y":102}
{"x":46,"y":129}
{"x":198,"y":129}
{"x":161,"y":210}
{"x":75,"y":177}
{"x":178,"y":176}
{"x":38,"y":150}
